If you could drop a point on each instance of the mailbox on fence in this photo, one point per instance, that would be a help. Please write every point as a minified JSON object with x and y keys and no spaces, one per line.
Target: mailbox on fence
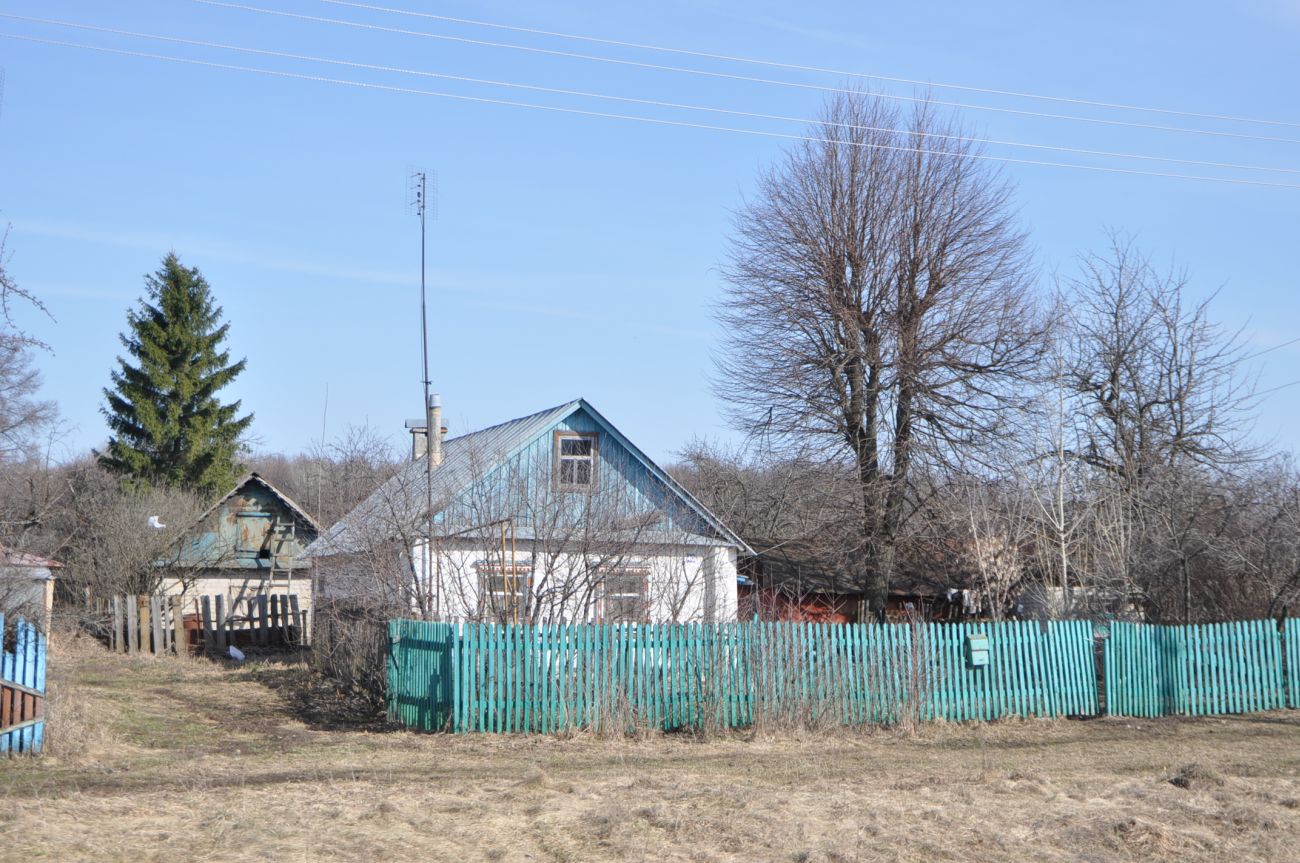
{"x":977,"y":650}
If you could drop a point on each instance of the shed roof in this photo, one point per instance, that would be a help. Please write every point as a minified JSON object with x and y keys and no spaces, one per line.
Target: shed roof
{"x":255,"y":477}
{"x":402,"y":498}
{"x":798,"y":567}
{"x":40,"y":566}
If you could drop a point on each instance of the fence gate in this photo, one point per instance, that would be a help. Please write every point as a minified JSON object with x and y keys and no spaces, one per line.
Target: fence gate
{"x":22,"y":688}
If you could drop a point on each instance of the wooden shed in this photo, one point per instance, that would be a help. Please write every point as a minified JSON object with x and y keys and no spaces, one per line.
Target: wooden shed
{"x":248,"y":543}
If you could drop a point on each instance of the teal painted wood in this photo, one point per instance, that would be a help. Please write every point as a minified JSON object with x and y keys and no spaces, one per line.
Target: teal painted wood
{"x":512,"y":679}
{"x":1195,"y":670}
{"x":1291,"y":641}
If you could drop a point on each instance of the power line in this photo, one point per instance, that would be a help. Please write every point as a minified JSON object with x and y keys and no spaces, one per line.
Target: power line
{"x":802,"y":68}
{"x":736,"y":77}
{"x":1276,"y":388}
{"x":654,"y":120}
{"x":1285,"y":344}
{"x":629,"y":99}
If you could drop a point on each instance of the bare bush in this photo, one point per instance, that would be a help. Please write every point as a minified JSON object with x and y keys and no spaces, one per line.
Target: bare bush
{"x":105,"y":542}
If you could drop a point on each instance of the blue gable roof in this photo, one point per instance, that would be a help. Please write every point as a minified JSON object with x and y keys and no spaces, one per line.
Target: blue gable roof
{"x":521,"y":447}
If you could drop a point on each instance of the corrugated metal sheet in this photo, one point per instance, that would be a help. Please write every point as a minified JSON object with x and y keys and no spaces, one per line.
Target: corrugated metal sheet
{"x":472,"y":458}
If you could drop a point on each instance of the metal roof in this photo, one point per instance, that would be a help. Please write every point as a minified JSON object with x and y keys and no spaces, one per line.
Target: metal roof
{"x":400,"y":501}
{"x":254,"y":476}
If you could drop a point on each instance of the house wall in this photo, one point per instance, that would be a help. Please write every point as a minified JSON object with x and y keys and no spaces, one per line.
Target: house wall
{"x":683,"y":583}
{"x":234,"y":585}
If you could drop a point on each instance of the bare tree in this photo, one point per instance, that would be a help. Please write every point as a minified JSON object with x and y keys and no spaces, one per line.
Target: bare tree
{"x":767,"y":498}
{"x":23,"y":417}
{"x":879,"y":304}
{"x":333,"y":476}
{"x":1163,"y":413}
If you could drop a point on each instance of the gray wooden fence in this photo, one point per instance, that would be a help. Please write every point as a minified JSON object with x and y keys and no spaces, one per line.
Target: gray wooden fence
{"x":161,"y":625}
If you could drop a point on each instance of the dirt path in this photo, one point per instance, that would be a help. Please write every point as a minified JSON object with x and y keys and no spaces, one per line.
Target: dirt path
{"x":172,"y":760}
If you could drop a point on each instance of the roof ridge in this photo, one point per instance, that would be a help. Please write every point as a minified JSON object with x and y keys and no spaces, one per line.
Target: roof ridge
{"x":503,"y":423}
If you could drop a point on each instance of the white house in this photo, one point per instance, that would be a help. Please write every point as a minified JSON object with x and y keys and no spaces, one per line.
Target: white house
{"x":553,"y":517}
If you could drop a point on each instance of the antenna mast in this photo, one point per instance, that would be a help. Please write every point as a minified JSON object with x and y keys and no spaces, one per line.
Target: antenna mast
{"x":419,"y":181}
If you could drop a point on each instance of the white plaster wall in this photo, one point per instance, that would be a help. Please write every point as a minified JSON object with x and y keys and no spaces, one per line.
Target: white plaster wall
{"x":232,"y":587}
{"x":693,"y":583}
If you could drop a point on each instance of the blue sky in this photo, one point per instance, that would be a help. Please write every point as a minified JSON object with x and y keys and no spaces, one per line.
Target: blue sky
{"x":574,"y":255}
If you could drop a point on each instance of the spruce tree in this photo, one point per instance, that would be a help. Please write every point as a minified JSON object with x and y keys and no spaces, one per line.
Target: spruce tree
{"x":169,"y":428}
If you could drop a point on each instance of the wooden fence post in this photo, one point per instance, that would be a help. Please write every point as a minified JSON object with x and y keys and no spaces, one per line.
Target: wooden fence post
{"x":221,"y":622}
{"x":278,"y":608}
{"x":156,"y":628}
{"x":132,"y":625}
{"x":118,"y":644}
{"x":178,"y":621}
{"x":261,"y":619}
{"x":143,"y":602}
{"x":299,"y":633}
{"x":209,"y":637}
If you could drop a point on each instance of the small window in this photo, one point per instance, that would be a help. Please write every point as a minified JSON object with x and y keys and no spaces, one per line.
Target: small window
{"x":504,"y":597}
{"x":575,"y":461}
{"x":625,"y":598}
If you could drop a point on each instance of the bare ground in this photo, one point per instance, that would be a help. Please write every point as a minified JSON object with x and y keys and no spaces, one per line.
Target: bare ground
{"x":188,"y":760}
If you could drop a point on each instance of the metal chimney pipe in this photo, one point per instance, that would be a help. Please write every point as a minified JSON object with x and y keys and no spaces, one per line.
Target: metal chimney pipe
{"x":435,"y":430}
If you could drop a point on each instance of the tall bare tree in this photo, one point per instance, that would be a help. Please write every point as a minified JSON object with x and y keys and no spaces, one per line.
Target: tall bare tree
{"x":879,"y":304}
{"x":1164,"y":412}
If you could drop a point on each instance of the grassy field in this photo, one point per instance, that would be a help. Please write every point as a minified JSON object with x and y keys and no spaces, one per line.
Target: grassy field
{"x":187,"y":760}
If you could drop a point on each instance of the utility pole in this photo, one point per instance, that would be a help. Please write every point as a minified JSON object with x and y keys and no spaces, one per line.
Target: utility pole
{"x":420,"y":182}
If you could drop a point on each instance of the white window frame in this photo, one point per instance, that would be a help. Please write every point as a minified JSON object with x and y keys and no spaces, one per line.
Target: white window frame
{"x":592,"y":459}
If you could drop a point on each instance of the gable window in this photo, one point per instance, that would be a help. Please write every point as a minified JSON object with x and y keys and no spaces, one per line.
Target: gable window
{"x":575,"y":461}
{"x":625,"y":596}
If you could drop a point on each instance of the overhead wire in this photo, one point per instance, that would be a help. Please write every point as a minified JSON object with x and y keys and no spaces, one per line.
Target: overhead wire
{"x":798,"y":67}
{"x":636,"y":118}
{"x":1278,"y":347}
{"x":634,"y":100}
{"x":736,"y":77}
{"x":1275,"y":389}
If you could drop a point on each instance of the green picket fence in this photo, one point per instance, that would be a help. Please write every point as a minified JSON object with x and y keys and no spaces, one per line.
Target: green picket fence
{"x":1291,"y":636}
{"x":487,"y":677}
{"x":1198,"y":670}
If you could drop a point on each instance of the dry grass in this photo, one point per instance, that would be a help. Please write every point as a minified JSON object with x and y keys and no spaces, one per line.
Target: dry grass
{"x":171,"y":760}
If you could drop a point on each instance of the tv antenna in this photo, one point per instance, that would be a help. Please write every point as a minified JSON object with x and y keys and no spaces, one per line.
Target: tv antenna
{"x":418,"y":203}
